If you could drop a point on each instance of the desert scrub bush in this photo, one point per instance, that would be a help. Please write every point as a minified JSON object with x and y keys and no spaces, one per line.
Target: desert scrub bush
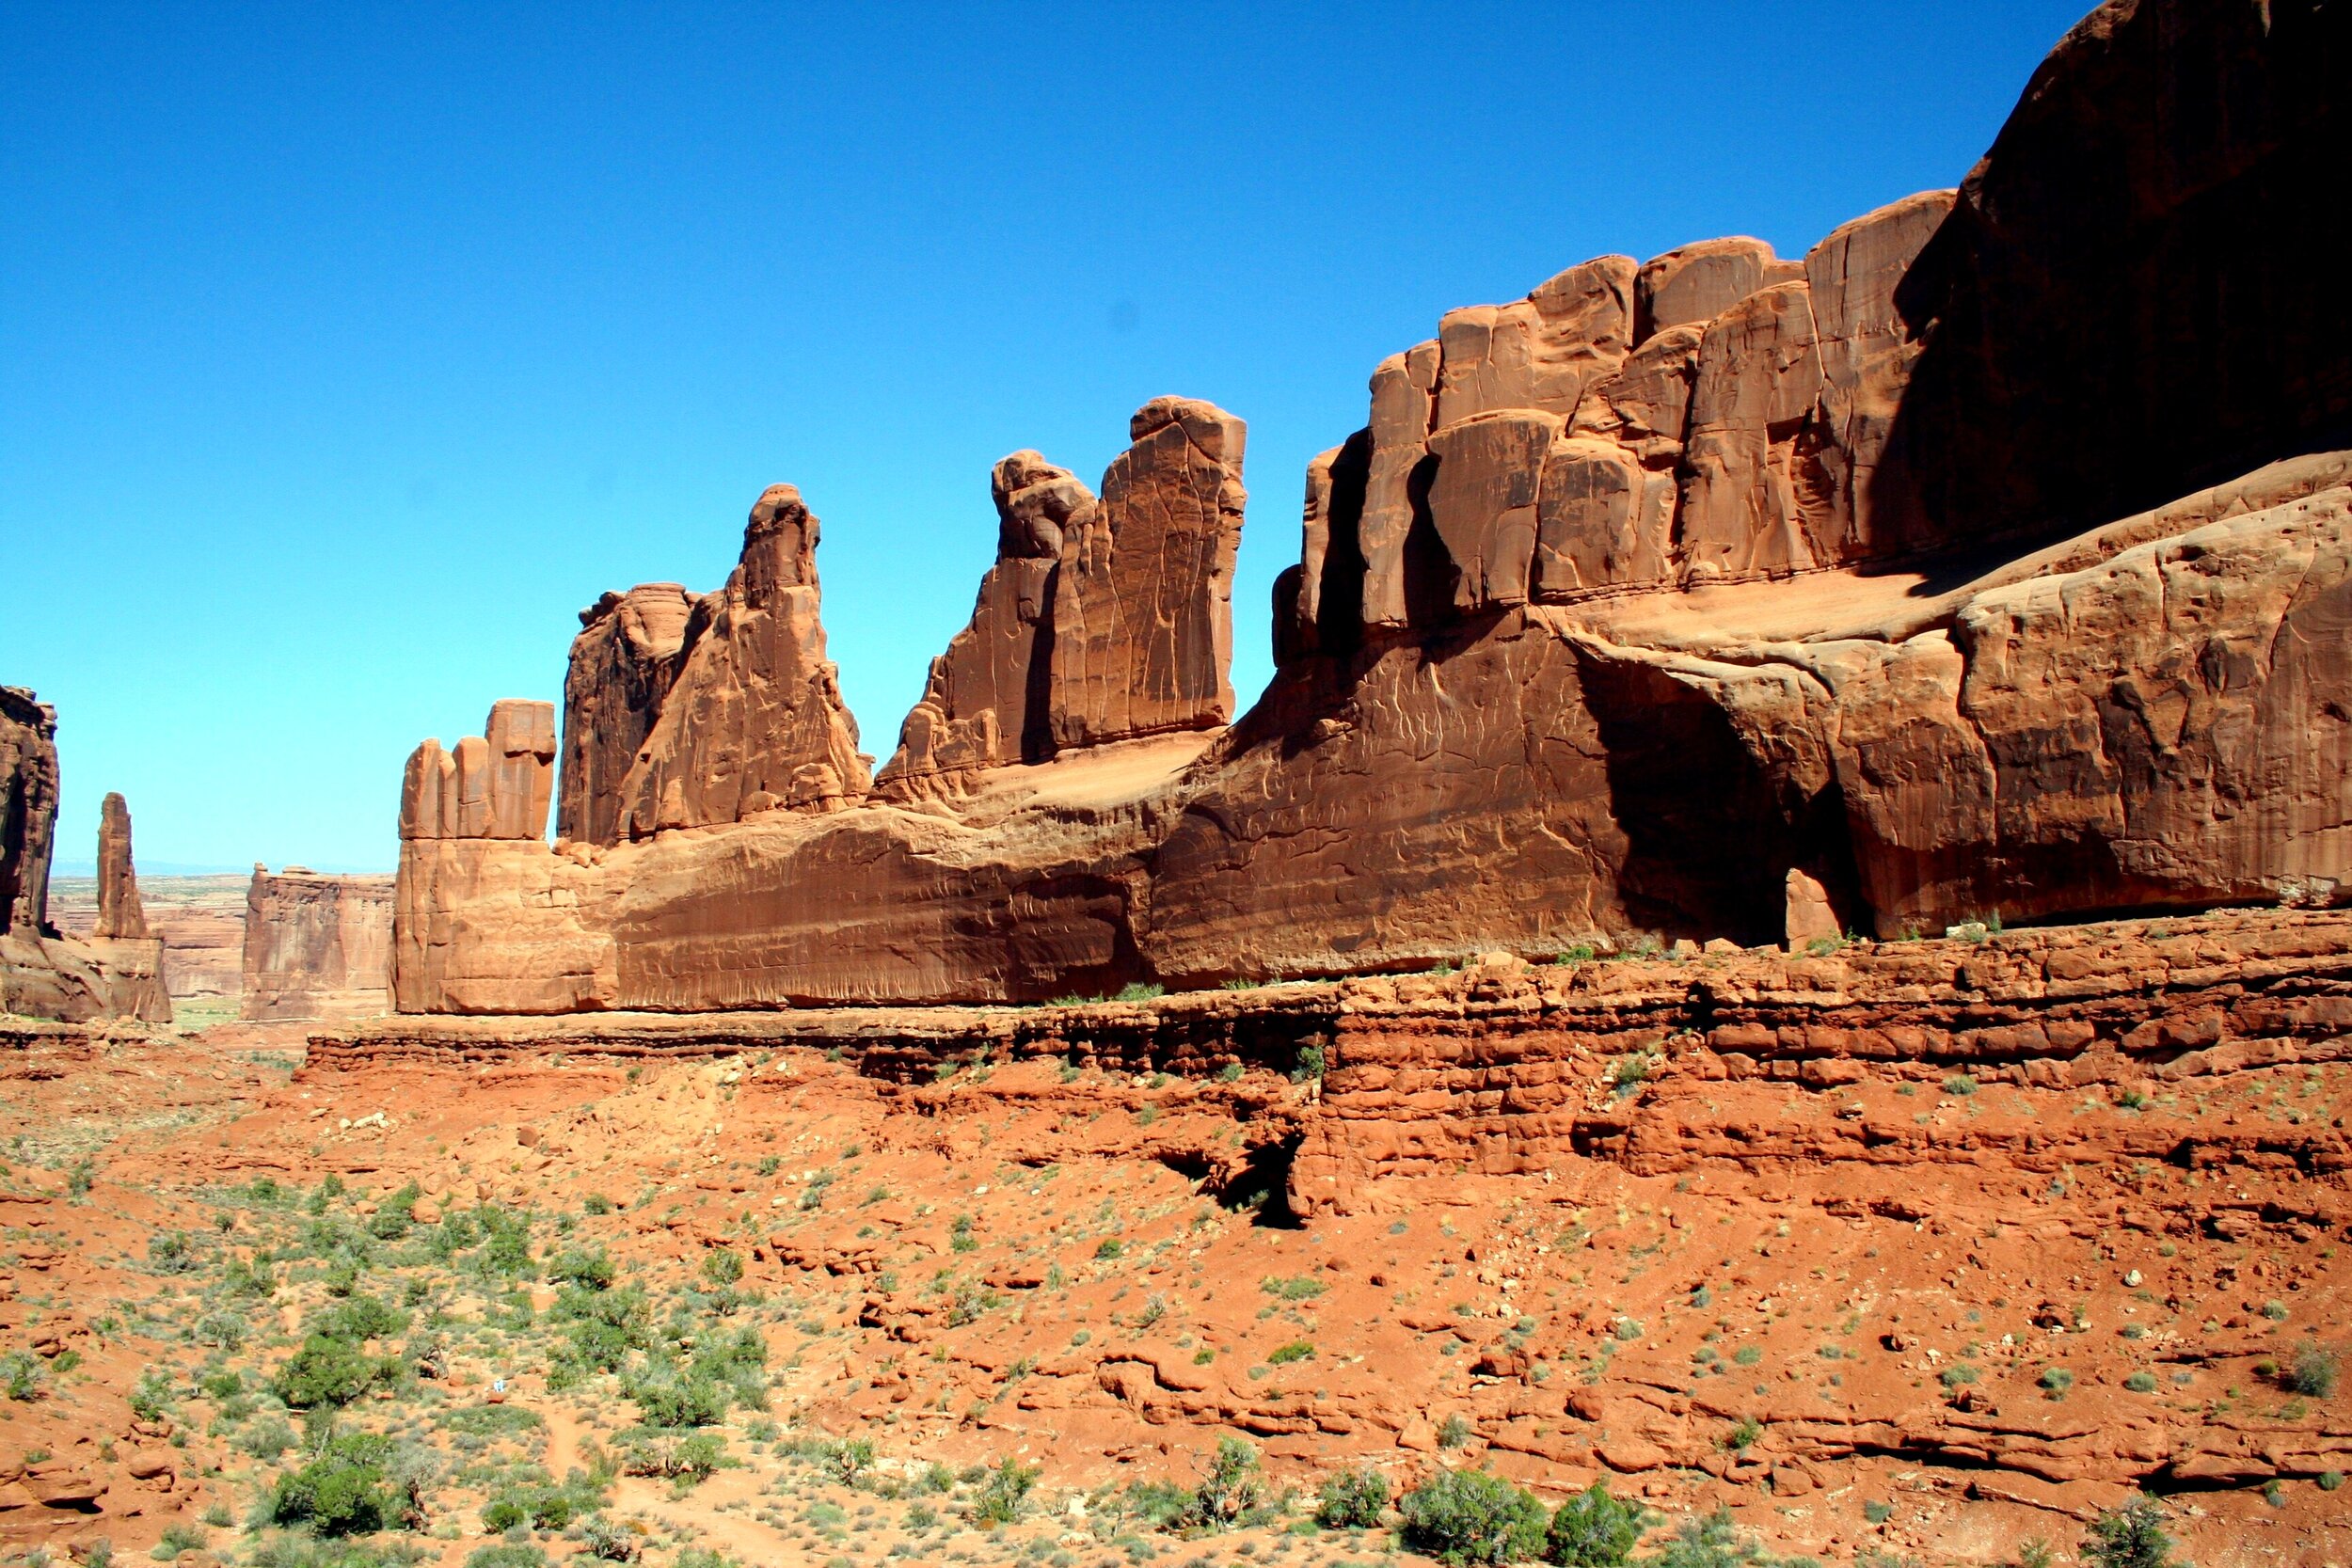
{"x":344,"y":1491}
{"x":171,"y":1252}
{"x":1139,"y":990}
{"x":2312,"y":1374}
{"x":21,"y":1375}
{"x":1456,"y":1430}
{"x":310,"y":1551}
{"x":329,"y":1372}
{"x":1629,"y":1073}
{"x":391,"y":1222}
{"x":2132,"y":1536}
{"x":1229,"y":1493}
{"x":1298,"y":1350}
{"x":1474,"y":1516}
{"x":1593,"y":1529}
{"x":507,"y":1554}
{"x":489,"y":1421}
{"x":543,"y":1506}
{"x":723,"y":1267}
{"x":1005,"y":1492}
{"x":177,"y":1537}
{"x":580,"y":1266}
{"x":666,"y":1400}
{"x":1296,"y":1287}
{"x":687,"y":1458}
{"x":1352,"y":1500}
{"x":1109,"y":1247}
{"x":1713,"y":1542}
{"x":151,"y":1399}
{"x":2142,"y":1382}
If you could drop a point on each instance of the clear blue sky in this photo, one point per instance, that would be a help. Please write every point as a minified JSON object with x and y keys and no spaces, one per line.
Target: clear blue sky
{"x":346,"y":350}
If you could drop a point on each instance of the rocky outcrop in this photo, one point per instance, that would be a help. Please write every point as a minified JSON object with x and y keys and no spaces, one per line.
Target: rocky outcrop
{"x":755,"y":721}
{"x":316,"y":947}
{"x":1102,"y":620}
{"x":491,"y":785}
{"x":1143,"y":620}
{"x":622,"y":664}
{"x":28,"y":809}
{"x":1653,"y":605}
{"x":117,"y":972}
{"x":986,"y":703}
{"x":119,"y":911}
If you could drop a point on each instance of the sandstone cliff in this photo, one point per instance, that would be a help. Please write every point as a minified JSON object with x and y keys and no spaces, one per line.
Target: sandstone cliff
{"x":316,"y":947}
{"x":1638,"y":603}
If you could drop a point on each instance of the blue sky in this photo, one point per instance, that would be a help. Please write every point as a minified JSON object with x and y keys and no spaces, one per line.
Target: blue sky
{"x":346,"y":350}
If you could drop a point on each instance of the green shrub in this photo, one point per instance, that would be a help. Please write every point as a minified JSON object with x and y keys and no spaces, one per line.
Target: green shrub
{"x":2057,"y":1380}
{"x":1110,"y":1246}
{"x":2142,"y":1382}
{"x":490,"y":1420}
{"x":1230,"y":1494}
{"x":1456,"y":1430}
{"x":328,"y":1371}
{"x":178,"y":1538}
{"x":723,"y":1267}
{"x":344,"y":1491}
{"x":151,"y":1399}
{"x":2132,"y":1536}
{"x":670,"y":1401}
{"x":506,"y":1554}
{"x":358,"y":1318}
{"x":1353,"y":1500}
{"x":2313,"y":1373}
{"x":1004,"y":1491}
{"x":1708,"y":1542}
{"x":1298,"y":1350}
{"x":1467,"y":1516}
{"x":1296,"y":1288}
{"x":171,"y":1252}
{"x":1593,"y":1529}
{"x":580,"y":1266}
{"x":20,"y":1374}
{"x":1139,"y":990}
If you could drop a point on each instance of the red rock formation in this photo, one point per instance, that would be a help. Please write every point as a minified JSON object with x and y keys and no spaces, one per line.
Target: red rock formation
{"x":496,"y":785}
{"x":622,"y":664}
{"x":1616,"y":619}
{"x":316,"y":947}
{"x":755,"y":721}
{"x":44,"y":972}
{"x":1143,"y":618}
{"x":984,"y":704}
{"x":28,"y":809}
{"x":120,"y":912}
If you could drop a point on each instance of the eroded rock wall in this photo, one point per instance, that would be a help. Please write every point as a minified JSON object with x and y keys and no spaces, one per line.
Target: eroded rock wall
{"x":755,"y":719}
{"x":622,"y":664}
{"x":316,"y":947}
{"x":1637,"y":603}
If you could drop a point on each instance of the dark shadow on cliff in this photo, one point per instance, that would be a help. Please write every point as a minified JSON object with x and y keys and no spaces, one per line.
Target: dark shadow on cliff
{"x":2128,"y":302}
{"x":1710,"y":834}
